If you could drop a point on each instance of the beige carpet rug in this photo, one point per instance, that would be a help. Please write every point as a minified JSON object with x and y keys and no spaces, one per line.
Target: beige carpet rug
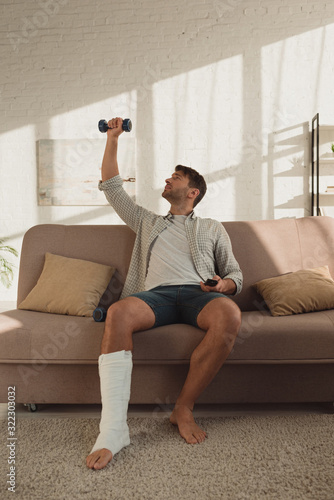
{"x":248,"y":457}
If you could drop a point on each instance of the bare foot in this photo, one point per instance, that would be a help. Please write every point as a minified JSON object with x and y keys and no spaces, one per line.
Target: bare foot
{"x":99,"y":459}
{"x":182,"y":417}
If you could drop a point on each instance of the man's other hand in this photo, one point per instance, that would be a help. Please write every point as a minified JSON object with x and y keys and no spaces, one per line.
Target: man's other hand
{"x":225,"y":286}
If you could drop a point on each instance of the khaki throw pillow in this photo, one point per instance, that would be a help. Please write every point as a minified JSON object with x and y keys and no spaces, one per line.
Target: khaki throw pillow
{"x":68,"y":286}
{"x":302,"y":291}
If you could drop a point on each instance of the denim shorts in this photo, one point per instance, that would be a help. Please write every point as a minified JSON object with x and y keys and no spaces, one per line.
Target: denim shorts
{"x":177,"y":303}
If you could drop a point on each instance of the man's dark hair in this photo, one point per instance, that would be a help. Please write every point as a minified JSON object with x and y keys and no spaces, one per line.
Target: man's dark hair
{"x":196,"y":180}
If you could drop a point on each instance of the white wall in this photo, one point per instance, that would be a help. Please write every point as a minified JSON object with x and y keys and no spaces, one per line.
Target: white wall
{"x":226,"y":86}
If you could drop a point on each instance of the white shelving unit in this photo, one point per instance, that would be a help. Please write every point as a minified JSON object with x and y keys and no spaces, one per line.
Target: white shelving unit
{"x":322,"y":166}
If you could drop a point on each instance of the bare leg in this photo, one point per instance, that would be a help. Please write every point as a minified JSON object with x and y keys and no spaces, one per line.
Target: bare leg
{"x":221,"y":320}
{"x":123,"y":319}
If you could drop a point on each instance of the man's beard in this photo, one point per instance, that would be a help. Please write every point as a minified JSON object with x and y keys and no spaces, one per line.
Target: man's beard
{"x":174,"y":196}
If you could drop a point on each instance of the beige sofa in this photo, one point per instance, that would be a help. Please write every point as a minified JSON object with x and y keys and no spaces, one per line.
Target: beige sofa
{"x":52,"y":358}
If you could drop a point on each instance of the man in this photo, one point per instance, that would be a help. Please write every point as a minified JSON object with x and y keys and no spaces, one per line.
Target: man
{"x":172,"y":258}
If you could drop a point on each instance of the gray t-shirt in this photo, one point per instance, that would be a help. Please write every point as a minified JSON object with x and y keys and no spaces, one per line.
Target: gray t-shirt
{"x":209,"y":241}
{"x":171,"y":262}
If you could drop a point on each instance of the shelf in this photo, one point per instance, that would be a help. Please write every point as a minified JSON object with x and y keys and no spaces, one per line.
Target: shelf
{"x":327,"y":199}
{"x":326,"y":160}
{"x":322,"y":162}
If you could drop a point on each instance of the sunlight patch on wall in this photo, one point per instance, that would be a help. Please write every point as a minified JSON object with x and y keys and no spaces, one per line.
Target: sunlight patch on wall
{"x":198,"y":121}
{"x":295,"y":72}
{"x":18,"y":167}
{"x":82,"y":122}
{"x":76,"y":131}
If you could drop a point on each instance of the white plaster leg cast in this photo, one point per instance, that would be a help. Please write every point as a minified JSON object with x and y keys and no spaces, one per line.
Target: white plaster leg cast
{"x":115,"y":379}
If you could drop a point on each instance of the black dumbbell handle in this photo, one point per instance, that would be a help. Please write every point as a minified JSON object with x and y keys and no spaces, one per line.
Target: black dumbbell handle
{"x":126,"y":126}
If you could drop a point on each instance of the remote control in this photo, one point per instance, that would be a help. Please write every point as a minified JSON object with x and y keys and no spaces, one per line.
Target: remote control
{"x":211,"y":283}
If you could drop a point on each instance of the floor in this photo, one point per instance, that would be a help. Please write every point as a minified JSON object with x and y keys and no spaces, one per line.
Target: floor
{"x":94,"y":411}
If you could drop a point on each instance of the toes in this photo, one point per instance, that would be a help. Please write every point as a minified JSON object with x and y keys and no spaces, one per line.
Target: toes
{"x":195,"y":437}
{"x":99,"y":459}
{"x":199,"y":436}
{"x":90,"y":460}
{"x":99,"y":464}
{"x":191,"y":439}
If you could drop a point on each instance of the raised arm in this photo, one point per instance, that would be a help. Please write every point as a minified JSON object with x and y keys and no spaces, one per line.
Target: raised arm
{"x":112,"y":184}
{"x":109,"y":162}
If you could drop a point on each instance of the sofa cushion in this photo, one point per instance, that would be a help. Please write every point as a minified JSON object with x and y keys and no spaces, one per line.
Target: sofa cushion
{"x":68,"y":286}
{"x":303,"y":337}
{"x":86,"y":242}
{"x":31,"y":336}
{"x":303,"y":291}
{"x":41,"y":338}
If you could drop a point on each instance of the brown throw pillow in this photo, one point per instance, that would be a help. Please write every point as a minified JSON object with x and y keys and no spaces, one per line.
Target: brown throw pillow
{"x":68,"y":286}
{"x":302,"y":291}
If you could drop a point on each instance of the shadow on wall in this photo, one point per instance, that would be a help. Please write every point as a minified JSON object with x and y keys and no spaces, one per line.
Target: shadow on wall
{"x":204,"y":33}
{"x":288,"y":170}
{"x":278,"y":247}
{"x":266,"y":252}
{"x":72,"y":59}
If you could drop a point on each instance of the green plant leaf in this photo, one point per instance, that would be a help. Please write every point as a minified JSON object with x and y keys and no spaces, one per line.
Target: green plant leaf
{"x":6,"y":267}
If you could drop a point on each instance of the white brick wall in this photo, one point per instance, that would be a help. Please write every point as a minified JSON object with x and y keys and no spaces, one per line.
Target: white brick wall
{"x":227,"y":86}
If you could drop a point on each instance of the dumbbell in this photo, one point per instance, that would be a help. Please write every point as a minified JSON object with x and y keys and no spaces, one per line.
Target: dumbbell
{"x":99,"y":314}
{"x":126,"y":126}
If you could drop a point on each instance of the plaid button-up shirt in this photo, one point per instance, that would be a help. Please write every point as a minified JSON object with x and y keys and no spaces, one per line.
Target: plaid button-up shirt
{"x":209,"y":242}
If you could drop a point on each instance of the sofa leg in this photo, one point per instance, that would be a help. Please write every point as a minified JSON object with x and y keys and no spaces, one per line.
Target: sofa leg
{"x":31,"y":406}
